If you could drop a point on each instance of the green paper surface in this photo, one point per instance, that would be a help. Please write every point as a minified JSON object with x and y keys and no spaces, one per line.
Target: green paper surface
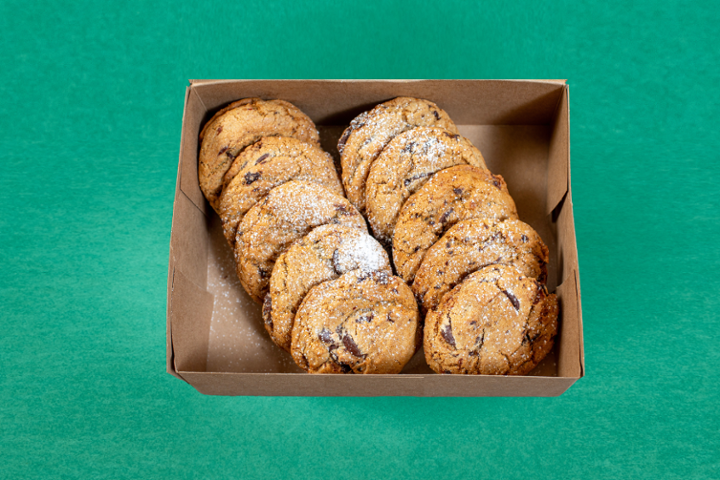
{"x":92,"y":99}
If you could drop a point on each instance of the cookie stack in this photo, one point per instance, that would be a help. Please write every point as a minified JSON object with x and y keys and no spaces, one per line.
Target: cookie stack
{"x":301,"y":248}
{"x":477,"y":271}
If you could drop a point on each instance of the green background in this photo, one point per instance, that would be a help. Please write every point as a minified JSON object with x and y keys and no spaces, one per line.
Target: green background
{"x":92,"y":99}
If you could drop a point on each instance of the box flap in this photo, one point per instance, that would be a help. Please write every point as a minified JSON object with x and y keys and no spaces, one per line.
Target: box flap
{"x":189,"y":146}
{"x":558,"y":174}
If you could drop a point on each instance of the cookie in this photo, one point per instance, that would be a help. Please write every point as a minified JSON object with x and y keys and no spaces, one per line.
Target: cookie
{"x":406,"y":163}
{"x":451,"y":195}
{"x":241,"y":124}
{"x":323,"y":254}
{"x":496,"y":322}
{"x":359,"y":323}
{"x":284,"y":216}
{"x":370,"y":132}
{"x":270,"y":162}
{"x":474,"y":244}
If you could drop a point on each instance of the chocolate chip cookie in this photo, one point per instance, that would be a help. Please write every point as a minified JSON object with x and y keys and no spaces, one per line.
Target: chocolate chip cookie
{"x":496,"y":322}
{"x":451,"y":195}
{"x":362,"y":322}
{"x":371,"y":131}
{"x":284,"y":216}
{"x":406,"y":163}
{"x":241,"y":124}
{"x":270,"y":162}
{"x":323,"y":254}
{"x":474,"y":244}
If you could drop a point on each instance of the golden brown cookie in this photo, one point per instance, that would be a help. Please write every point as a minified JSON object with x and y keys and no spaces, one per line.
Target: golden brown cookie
{"x":496,"y":322}
{"x":371,"y":131}
{"x":323,"y":254}
{"x":270,"y":162}
{"x":284,"y":216}
{"x":405,"y":165}
{"x":474,"y":244}
{"x":451,"y":195}
{"x":359,"y":323}
{"x":241,"y":124}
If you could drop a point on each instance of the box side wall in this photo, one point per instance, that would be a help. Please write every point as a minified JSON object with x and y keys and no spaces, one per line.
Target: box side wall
{"x":336,"y":102}
{"x":243,"y":384}
{"x":570,"y":352}
{"x":191,"y":314}
{"x":170,"y":359}
{"x":189,"y":309}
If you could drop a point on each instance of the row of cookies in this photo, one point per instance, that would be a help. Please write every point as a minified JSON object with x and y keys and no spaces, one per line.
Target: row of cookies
{"x":301,"y":248}
{"x":455,"y":235}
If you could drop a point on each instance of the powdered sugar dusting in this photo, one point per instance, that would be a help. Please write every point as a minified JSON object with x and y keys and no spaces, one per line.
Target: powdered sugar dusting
{"x":361,"y":251}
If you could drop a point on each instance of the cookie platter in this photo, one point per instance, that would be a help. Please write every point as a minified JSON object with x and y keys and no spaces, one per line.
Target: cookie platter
{"x":216,"y":338}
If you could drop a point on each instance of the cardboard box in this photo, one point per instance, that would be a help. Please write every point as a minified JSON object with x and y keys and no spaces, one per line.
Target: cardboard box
{"x":215,"y":337}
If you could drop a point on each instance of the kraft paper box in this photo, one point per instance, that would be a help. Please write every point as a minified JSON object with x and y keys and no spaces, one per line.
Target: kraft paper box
{"x":215,"y":336}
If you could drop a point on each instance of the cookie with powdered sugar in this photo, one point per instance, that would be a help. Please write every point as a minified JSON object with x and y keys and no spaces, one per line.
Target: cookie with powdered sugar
{"x":405,"y":165}
{"x":283,"y":217}
{"x":323,"y":254}
{"x":474,"y":244}
{"x":496,"y":322}
{"x":369,"y":133}
{"x":450,"y":196}
{"x":362,"y":322}
{"x":239,"y":125}
{"x":266,"y":164}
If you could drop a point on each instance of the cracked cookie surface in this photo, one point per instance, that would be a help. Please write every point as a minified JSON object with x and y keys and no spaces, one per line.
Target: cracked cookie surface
{"x":450,"y":196}
{"x":474,"y":244}
{"x":496,"y":322}
{"x":370,"y":132}
{"x":359,"y":323}
{"x":323,"y":254}
{"x":240,"y":124}
{"x":284,"y":216}
{"x":405,"y":165}
{"x":266,"y":164}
